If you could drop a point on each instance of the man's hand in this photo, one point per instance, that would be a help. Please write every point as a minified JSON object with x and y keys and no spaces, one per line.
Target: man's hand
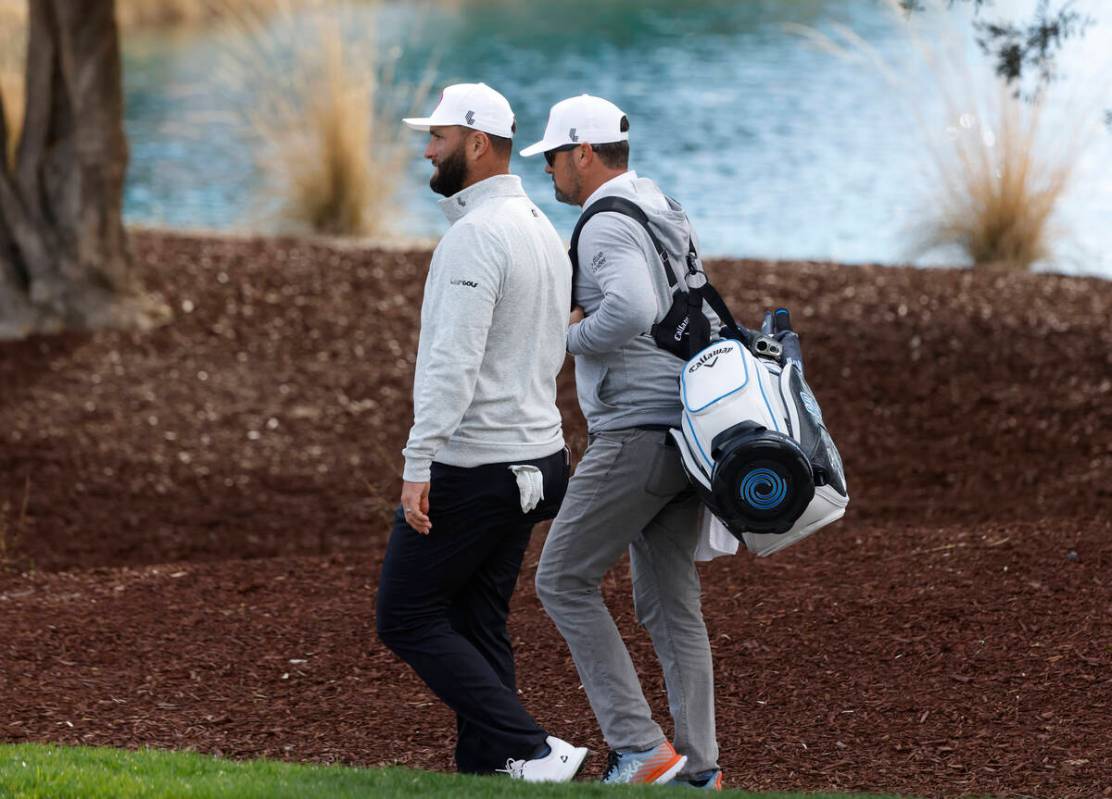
{"x":415,"y":503}
{"x":577,"y":315}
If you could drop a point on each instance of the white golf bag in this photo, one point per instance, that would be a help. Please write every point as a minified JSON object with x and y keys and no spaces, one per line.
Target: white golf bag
{"x":754,"y":444}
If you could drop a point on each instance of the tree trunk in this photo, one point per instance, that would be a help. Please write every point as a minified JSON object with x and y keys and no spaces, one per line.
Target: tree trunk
{"x":64,"y":256}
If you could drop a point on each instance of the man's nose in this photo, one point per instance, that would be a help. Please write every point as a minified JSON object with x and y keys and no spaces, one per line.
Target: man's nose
{"x":548,"y":170}
{"x":430,"y":153}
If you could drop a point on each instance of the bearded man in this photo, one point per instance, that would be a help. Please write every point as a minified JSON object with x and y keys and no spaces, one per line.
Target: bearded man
{"x":485,"y":458}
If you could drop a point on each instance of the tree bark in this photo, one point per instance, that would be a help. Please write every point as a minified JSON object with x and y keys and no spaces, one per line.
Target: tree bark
{"x":64,"y":255}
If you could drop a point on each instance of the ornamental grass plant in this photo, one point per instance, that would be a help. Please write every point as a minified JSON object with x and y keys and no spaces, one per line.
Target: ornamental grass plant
{"x":997,"y":185}
{"x":998,"y":165}
{"x":322,"y":118}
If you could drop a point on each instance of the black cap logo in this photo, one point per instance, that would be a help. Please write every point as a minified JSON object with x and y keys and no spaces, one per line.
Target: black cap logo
{"x":572,"y":136}
{"x":470,"y":117}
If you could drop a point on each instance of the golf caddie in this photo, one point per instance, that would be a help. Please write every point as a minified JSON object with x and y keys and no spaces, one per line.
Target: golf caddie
{"x":629,"y":492}
{"x":485,"y":458}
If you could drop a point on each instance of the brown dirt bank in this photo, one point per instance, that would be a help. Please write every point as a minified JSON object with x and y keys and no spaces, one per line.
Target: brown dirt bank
{"x":949,"y":637}
{"x":267,"y":419}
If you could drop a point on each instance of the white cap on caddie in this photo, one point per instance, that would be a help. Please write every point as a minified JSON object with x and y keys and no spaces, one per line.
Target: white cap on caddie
{"x":580,"y":120}
{"x":472,"y":105}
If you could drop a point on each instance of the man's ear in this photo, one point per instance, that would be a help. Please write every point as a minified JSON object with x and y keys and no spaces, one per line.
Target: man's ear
{"x":477,"y":143}
{"x":584,"y":156}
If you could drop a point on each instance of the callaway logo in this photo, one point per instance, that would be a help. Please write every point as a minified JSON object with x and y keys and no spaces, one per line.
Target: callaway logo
{"x":471,"y":284}
{"x":683,"y":326}
{"x":563,"y":758}
{"x":470,"y":117}
{"x":708,"y":359}
{"x":572,"y":136}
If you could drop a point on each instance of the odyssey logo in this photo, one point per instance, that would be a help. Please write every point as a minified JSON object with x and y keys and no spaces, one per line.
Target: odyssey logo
{"x":709,"y":359}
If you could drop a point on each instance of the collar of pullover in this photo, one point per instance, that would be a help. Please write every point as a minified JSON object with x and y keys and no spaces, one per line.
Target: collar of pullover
{"x":611,"y":186}
{"x":463,"y":202}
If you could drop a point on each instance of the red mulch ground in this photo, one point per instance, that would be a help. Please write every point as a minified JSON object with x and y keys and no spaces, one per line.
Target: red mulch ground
{"x":193,"y":522}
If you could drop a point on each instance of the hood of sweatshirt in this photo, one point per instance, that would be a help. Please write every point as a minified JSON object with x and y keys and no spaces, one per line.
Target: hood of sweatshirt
{"x":667,"y":218}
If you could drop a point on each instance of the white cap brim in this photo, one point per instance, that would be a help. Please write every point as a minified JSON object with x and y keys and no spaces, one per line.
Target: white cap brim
{"x":419,"y":123}
{"x":581,"y":120}
{"x":540,"y":147}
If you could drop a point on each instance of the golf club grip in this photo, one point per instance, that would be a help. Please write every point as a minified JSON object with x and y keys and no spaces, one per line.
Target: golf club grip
{"x":789,"y":340}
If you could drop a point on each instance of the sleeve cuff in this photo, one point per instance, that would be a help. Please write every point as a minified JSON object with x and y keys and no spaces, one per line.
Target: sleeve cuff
{"x":573,"y":339}
{"x":416,"y":471}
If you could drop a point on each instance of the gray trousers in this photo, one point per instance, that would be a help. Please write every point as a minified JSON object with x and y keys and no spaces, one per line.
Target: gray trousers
{"x":630,"y":491}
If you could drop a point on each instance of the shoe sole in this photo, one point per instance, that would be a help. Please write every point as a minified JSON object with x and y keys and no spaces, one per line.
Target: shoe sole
{"x":670,"y":772}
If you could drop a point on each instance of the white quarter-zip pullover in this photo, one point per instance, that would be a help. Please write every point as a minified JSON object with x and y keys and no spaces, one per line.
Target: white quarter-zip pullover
{"x":493,"y":330}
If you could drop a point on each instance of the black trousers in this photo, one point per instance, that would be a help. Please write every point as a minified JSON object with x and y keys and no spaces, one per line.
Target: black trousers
{"x":443,"y":601}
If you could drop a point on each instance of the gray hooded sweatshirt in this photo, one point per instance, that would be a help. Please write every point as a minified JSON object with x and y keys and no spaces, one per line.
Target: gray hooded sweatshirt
{"x":623,"y":378}
{"x":493,"y":326}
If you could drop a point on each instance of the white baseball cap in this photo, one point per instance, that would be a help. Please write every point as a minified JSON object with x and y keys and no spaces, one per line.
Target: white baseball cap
{"x":580,"y":120}
{"x":472,"y":105}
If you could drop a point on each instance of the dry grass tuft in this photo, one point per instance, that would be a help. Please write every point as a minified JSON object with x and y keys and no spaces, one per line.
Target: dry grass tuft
{"x":328,"y":142}
{"x":998,"y":186}
{"x":317,"y":142}
{"x":144,"y":14}
{"x":998,"y":169}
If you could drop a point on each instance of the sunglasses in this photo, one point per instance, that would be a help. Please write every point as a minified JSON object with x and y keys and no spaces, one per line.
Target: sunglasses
{"x":550,"y":155}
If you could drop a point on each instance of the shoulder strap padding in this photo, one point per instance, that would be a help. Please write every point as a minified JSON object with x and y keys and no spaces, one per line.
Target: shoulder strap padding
{"x":618,"y":205}
{"x":621,"y":205}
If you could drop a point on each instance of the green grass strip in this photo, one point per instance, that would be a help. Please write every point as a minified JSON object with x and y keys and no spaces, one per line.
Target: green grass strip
{"x":36,"y":771}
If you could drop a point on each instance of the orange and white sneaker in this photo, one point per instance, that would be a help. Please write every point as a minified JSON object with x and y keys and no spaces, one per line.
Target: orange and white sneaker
{"x":657,"y":765}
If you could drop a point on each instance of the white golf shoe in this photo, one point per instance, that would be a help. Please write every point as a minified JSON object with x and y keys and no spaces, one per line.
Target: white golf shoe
{"x":561,"y":764}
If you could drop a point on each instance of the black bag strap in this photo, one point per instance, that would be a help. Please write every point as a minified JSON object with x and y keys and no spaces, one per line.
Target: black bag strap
{"x":619,"y":205}
{"x":730,"y":327}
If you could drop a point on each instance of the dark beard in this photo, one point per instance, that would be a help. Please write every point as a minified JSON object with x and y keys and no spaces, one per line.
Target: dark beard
{"x":450,"y":174}
{"x":561,"y":196}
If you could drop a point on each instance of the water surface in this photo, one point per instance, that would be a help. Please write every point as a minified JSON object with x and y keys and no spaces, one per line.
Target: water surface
{"x":777,"y":148}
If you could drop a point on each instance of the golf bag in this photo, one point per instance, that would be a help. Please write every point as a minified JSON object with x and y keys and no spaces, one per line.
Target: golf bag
{"x":752,"y":437}
{"x":753,"y":441}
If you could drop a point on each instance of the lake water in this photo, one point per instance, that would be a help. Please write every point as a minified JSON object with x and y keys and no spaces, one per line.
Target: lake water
{"x":776,"y":147}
